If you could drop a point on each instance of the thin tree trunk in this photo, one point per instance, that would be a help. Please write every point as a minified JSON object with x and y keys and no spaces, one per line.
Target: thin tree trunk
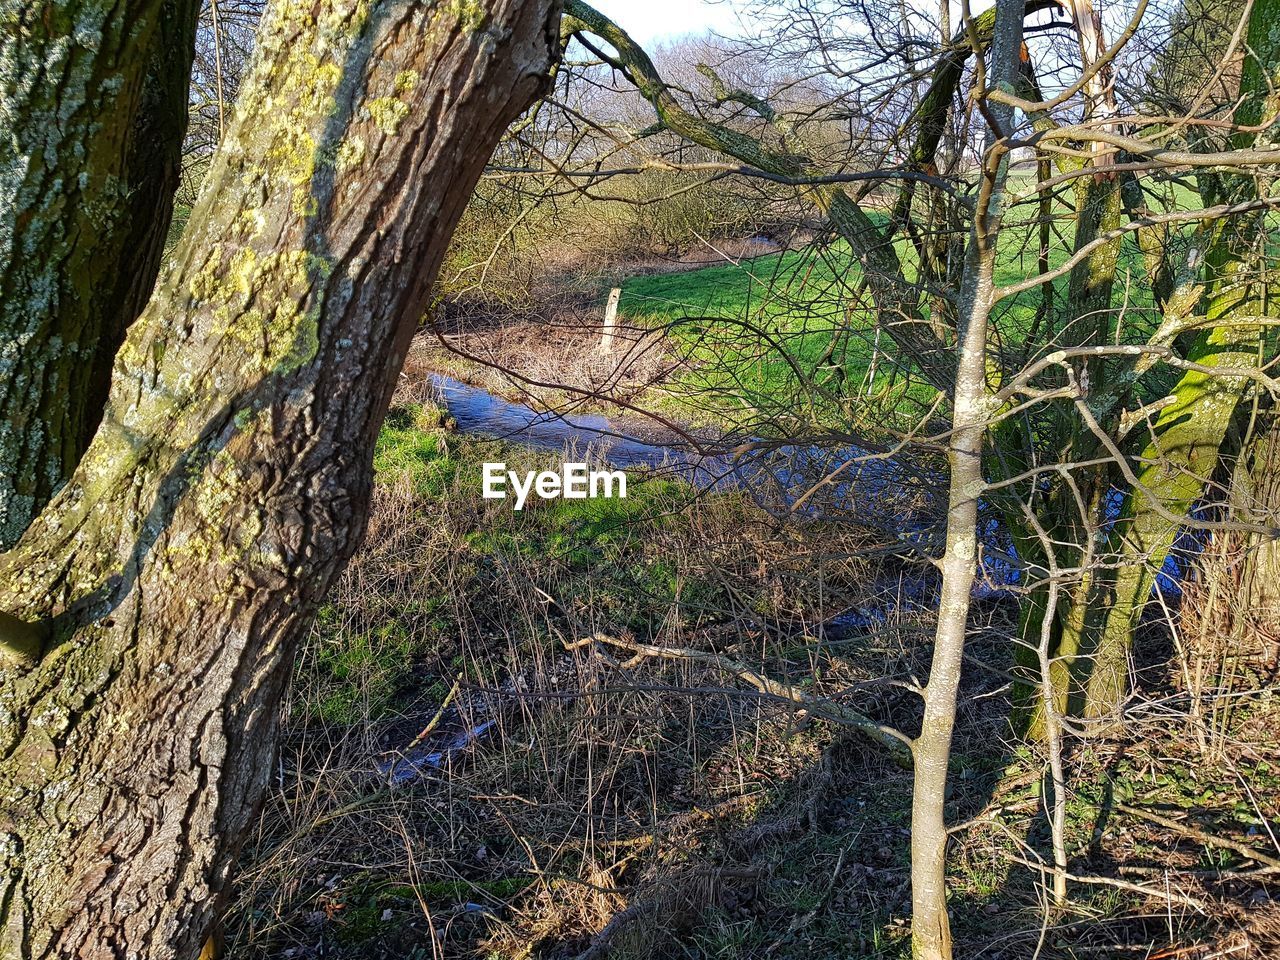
{"x":95,"y":112}
{"x":229,"y":480}
{"x":1098,"y":206}
{"x":1084,"y":318}
{"x":971,"y":412}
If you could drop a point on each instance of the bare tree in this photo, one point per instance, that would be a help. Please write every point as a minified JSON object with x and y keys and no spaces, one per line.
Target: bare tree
{"x":1091,"y":424}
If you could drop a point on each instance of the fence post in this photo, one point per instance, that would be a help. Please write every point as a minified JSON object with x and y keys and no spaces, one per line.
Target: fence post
{"x":610,"y":320}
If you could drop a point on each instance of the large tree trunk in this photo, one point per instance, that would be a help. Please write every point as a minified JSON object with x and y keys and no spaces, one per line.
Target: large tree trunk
{"x":1224,"y":296}
{"x":229,"y":480}
{"x":95,"y":107}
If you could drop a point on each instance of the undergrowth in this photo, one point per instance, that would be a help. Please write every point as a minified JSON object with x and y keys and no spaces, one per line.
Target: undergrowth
{"x":651,"y":808}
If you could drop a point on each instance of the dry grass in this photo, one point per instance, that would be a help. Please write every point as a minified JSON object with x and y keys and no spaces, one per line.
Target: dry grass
{"x":545,"y":346}
{"x":557,"y":347}
{"x":660,"y":809}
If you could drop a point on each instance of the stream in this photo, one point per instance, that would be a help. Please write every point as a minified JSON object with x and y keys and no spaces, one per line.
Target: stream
{"x":874,"y":489}
{"x":903,"y":502}
{"x":842,"y":481}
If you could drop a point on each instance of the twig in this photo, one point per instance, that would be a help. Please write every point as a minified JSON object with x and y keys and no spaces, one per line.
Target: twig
{"x":435,"y":721}
{"x":1183,"y":898}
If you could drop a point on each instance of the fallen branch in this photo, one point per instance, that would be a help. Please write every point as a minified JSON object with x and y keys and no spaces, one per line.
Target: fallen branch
{"x":1089,"y":879}
{"x":1203,"y":836}
{"x":896,"y":742}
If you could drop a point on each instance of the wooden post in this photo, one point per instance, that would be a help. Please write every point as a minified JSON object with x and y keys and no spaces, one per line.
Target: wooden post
{"x":610,"y":320}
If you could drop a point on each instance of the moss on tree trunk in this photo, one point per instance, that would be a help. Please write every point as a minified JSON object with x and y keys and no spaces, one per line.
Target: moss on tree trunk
{"x":1184,"y":442}
{"x":95,"y":107}
{"x":228,"y":481}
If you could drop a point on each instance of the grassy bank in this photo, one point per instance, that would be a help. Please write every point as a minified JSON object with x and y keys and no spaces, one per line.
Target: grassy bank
{"x":770,"y":344}
{"x":792,"y":337}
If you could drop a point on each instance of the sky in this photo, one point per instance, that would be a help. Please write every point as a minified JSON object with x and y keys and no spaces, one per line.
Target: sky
{"x":650,"y":20}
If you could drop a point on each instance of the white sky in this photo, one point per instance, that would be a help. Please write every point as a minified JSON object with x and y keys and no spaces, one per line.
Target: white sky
{"x":650,"y":20}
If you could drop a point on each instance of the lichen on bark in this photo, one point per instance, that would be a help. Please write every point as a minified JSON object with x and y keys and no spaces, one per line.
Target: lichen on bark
{"x":89,"y":153}
{"x":227,"y":482}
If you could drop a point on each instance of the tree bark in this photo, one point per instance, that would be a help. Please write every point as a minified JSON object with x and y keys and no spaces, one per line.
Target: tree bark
{"x":971,"y":412}
{"x":95,"y":111}
{"x":1185,"y":442}
{"x":229,"y":480}
{"x":1177,"y":465}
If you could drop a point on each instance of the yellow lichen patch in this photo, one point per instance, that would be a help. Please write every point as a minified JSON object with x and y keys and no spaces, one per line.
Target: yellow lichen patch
{"x":253,"y":221}
{"x":388,"y":113}
{"x":341,"y":22}
{"x":406,"y":80}
{"x":303,"y":101}
{"x":278,"y":334}
{"x":243,"y":271}
{"x":303,"y":203}
{"x":204,"y":286}
{"x":135,"y":351}
{"x":214,"y":490}
{"x":220,"y":531}
{"x":350,"y":154}
{"x":119,"y":722}
{"x":468,"y":13}
{"x":294,"y":156}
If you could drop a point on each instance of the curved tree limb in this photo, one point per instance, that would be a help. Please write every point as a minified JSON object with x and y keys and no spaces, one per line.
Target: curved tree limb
{"x":897,"y":743}
{"x":868,"y":242}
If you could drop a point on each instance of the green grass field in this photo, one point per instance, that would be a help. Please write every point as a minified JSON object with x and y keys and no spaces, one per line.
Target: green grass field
{"x":758,"y":334}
